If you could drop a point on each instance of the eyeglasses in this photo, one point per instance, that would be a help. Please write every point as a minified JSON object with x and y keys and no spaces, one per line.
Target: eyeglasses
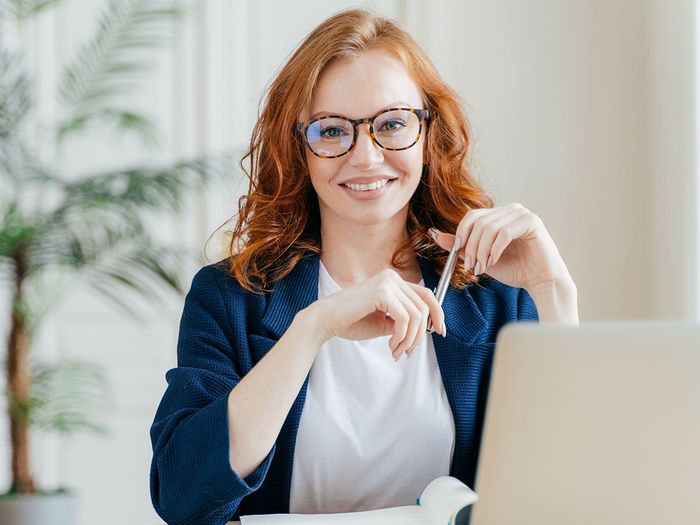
{"x":394,"y":129}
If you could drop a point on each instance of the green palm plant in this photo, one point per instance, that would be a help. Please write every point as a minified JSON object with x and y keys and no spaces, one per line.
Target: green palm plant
{"x":57,"y":231}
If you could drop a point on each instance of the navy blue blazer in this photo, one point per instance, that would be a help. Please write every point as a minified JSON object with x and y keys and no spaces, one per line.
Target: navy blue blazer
{"x":225,"y":330}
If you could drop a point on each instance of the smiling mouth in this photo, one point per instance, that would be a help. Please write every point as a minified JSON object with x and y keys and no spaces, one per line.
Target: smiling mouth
{"x":366,"y":186}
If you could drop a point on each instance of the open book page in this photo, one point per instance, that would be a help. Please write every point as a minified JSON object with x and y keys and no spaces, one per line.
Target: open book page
{"x":440,"y":503}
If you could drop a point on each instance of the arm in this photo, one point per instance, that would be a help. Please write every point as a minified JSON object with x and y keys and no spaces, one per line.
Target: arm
{"x":194,"y":476}
{"x":556,"y":302}
{"x":258,"y":410}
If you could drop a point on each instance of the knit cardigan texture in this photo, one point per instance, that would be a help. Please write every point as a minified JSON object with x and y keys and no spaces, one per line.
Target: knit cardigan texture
{"x":225,"y":330}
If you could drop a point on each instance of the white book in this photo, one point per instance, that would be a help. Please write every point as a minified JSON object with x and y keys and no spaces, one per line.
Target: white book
{"x":444,"y":501}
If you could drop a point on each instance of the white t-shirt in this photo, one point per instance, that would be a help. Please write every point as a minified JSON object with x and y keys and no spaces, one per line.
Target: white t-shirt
{"x":373,"y":432}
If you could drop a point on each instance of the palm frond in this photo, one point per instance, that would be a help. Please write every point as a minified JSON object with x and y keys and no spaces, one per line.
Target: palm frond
{"x":15,"y":231}
{"x":24,"y":9}
{"x":16,"y":94}
{"x":155,"y":188}
{"x":26,"y":181}
{"x":106,"y":66}
{"x":67,"y":396}
{"x":112,"y":254}
{"x":121,"y":196}
{"x":139,"y":271}
{"x":97,"y":233}
{"x":117,"y":119}
{"x":136,"y":269}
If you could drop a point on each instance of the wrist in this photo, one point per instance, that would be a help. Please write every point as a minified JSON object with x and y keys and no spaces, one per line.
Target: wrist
{"x":312,"y":322}
{"x":556,"y":301}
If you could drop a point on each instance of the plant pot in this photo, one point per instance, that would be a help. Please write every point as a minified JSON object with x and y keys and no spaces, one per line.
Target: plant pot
{"x":59,"y":508}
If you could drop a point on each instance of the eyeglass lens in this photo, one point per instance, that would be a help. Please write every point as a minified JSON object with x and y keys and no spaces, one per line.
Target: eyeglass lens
{"x":332,"y":136}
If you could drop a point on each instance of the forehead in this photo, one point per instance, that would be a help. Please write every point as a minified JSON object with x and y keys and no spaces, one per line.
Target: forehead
{"x":364,"y":85}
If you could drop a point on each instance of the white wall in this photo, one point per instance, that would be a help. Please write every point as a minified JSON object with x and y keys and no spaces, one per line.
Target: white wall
{"x":673,"y":178}
{"x":561,"y":95}
{"x":582,"y":110}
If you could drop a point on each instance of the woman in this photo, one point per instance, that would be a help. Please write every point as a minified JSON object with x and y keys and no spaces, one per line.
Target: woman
{"x":286,"y":399}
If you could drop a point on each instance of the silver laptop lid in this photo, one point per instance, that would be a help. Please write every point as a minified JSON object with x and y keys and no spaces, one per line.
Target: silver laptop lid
{"x":593,"y":425}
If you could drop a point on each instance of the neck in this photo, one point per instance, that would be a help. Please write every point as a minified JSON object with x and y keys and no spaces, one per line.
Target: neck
{"x":354,"y":254}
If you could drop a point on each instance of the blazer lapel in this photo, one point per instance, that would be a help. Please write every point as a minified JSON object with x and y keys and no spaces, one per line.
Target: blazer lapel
{"x":294,"y":292}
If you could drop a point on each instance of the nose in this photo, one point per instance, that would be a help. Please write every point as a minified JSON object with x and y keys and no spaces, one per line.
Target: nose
{"x":365,"y":154}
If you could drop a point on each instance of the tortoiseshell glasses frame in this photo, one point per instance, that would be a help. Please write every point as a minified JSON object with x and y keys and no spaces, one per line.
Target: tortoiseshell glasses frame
{"x":303,"y":127}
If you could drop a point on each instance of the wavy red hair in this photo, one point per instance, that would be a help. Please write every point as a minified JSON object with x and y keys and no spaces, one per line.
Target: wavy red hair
{"x":278,"y":221}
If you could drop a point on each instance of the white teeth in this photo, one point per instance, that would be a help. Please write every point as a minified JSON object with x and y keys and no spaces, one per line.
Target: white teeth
{"x":366,"y":187}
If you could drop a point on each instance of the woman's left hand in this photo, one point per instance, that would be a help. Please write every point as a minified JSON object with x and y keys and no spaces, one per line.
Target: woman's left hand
{"x":510,"y":244}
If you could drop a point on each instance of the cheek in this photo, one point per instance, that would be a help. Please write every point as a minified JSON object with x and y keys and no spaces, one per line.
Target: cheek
{"x":409,"y":163}
{"x":320,"y":170}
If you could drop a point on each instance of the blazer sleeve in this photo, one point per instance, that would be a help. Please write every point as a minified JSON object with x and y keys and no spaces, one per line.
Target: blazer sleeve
{"x":527,"y":311}
{"x":191,"y":479}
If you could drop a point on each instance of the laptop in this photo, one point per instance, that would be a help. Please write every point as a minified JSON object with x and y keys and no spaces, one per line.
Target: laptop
{"x":592,"y":425}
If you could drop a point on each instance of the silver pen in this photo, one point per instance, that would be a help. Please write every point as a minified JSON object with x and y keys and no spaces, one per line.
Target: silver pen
{"x":445,"y":278}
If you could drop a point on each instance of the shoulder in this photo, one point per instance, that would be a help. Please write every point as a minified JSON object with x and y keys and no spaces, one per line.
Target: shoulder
{"x":218,"y":275}
{"x":213,"y":283}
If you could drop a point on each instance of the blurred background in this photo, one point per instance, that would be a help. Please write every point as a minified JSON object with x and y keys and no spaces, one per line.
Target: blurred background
{"x":584,"y":111}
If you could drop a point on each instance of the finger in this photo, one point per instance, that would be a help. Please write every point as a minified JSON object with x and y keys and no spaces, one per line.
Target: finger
{"x":513,"y":231}
{"x":414,"y":322}
{"x":437,"y":314}
{"x":464,"y":228}
{"x":489,"y":234}
{"x":422,"y":302}
{"x":406,"y":310}
{"x":475,"y":224}
{"x":447,"y":242}
{"x":396,"y":309}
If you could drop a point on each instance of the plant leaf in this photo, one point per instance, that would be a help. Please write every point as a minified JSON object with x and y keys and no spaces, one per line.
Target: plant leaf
{"x":68,"y":396}
{"x":16,"y":94}
{"x":105,"y":67}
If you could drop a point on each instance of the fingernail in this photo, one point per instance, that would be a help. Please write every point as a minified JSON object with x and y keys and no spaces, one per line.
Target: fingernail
{"x":433,"y":233}
{"x":488,"y":263}
{"x":469,"y":261}
{"x":477,"y":268}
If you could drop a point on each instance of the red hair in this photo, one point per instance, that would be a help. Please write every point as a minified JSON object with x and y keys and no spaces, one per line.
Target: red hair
{"x":279,"y":221}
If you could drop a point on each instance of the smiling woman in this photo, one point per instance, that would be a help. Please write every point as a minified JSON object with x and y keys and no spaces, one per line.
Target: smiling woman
{"x":364,"y":104}
{"x":294,"y":398}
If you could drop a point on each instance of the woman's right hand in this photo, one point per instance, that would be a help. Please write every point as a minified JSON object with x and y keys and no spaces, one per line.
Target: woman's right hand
{"x":360,"y":311}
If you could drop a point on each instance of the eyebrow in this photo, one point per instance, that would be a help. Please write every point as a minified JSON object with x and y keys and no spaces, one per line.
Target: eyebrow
{"x":397,"y":103}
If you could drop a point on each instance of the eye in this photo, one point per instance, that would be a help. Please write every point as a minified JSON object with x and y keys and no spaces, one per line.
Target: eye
{"x":392,"y":125}
{"x":332,"y":132}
